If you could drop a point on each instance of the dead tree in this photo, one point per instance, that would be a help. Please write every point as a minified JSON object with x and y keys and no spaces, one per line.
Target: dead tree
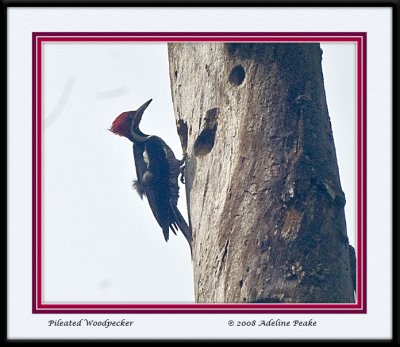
{"x":262,"y":181}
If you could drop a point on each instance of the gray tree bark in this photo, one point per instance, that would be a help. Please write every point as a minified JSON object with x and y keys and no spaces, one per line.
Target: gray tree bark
{"x":263,"y":190}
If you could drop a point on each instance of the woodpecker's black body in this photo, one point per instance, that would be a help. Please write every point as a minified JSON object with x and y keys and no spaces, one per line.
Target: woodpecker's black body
{"x":157,"y":172}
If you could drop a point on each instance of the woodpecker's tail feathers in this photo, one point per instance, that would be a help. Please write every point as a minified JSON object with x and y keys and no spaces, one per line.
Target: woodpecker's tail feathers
{"x":165,"y":231}
{"x":174,"y":228}
{"x":180,"y":222}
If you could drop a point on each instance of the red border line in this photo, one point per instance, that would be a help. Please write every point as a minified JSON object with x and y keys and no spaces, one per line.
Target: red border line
{"x":203,"y":33}
{"x":195,"y":39}
{"x":39,"y":169}
{"x":359,"y":179}
{"x":37,"y":277}
{"x":363,"y":229}
{"x":34,"y":229}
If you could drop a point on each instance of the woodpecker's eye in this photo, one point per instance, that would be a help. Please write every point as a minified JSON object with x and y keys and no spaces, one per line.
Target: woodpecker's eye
{"x":130,"y":114}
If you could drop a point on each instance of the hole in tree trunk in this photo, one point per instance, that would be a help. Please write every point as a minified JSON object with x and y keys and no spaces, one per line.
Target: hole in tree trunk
{"x":237,"y":75}
{"x":205,"y":141}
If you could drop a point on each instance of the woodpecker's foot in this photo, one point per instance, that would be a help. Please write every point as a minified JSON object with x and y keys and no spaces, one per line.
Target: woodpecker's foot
{"x":182,"y":172}
{"x":182,"y":167}
{"x":182,"y":161}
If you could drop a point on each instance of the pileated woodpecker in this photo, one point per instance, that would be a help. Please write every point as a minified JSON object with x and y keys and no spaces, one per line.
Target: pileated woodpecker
{"x":157,"y":172}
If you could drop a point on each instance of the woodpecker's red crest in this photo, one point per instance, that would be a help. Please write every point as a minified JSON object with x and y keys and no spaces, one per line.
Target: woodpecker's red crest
{"x":122,"y":125}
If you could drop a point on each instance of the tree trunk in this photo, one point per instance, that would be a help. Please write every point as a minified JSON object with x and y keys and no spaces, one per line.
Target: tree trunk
{"x":263,"y":190}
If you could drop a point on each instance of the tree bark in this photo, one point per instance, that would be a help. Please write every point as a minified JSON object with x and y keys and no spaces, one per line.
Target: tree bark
{"x":263,"y":189}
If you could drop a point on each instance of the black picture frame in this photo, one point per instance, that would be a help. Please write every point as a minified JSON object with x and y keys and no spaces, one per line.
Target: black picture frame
{"x":284,"y":3}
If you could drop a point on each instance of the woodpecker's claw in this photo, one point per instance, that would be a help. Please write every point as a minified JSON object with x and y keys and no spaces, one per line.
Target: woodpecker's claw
{"x":182,"y":168}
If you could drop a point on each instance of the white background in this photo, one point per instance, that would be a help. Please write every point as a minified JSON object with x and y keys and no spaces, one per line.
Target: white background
{"x":113,"y":90}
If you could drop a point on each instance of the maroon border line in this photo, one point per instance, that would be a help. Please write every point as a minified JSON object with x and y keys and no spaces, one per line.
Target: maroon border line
{"x":34,"y":230}
{"x":38,"y":38}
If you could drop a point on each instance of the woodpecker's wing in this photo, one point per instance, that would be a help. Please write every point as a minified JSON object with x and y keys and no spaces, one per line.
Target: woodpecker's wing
{"x":174,"y":172}
{"x":156,"y":183}
{"x":162,"y":166}
{"x":140,"y":166}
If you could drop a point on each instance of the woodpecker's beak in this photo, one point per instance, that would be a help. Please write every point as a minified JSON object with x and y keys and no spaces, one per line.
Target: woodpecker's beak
{"x":142,"y":108}
{"x":139,"y":112}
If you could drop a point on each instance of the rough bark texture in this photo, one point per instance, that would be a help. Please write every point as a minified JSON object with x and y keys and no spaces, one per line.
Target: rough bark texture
{"x":264,"y":196}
